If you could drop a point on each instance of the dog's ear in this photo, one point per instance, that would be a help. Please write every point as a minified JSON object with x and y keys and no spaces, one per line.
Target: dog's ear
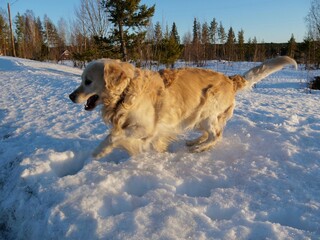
{"x":117,"y":76}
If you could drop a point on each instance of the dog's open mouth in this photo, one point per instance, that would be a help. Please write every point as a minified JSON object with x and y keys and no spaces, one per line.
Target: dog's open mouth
{"x":91,"y":102}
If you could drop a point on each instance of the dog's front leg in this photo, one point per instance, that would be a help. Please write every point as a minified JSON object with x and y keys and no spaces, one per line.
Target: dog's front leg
{"x":104,"y":148}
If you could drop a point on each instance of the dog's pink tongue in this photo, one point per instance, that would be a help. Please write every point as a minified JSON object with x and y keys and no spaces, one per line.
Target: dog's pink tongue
{"x":91,"y":103}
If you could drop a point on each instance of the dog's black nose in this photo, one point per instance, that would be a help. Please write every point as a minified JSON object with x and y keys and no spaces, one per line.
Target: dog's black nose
{"x":73,"y":96}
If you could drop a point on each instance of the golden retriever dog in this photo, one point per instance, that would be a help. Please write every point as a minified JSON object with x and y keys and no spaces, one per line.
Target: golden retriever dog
{"x":147,"y":110}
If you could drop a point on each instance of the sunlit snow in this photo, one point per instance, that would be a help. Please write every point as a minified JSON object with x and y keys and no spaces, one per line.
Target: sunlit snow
{"x":261,"y":181}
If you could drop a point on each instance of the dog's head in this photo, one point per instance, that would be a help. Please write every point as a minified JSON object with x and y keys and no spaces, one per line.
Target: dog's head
{"x":102,"y":76}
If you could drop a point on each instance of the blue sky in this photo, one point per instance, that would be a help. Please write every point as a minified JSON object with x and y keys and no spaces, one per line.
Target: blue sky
{"x":267,"y":20}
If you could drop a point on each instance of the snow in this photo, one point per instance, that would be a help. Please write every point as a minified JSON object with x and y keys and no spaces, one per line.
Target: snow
{"x":261,"y":181}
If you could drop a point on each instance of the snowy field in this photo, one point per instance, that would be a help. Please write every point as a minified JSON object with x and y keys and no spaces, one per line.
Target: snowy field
{"x":261,"y":181}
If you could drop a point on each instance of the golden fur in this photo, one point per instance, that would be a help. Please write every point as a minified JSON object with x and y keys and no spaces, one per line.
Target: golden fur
{"x":148,"y":109}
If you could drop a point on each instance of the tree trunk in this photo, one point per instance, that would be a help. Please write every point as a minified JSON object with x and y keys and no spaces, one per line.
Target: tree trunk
{"x":123,"y":47}
{"x":11,"y":33}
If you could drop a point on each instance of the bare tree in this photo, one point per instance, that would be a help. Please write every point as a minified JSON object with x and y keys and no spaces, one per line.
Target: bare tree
{"x":205,"y":40}
{"x":30,"y":34}
{"x":92,"y":16}
{"x":89,"y":31}
{"x":79,"y":34}
{"x":62,"y":31}
{"x":313,"y":39}
{"x":187,"y":42}
{"x":313,"y":19}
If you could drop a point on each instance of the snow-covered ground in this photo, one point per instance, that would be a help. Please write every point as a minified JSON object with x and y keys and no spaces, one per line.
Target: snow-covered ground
{"x":261,"y":181}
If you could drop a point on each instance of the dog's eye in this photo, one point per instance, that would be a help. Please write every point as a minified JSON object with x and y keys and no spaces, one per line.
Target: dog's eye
{"x":87,"y":82}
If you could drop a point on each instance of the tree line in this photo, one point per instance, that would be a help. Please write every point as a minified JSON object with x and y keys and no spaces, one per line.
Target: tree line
{"x":124,"y":30}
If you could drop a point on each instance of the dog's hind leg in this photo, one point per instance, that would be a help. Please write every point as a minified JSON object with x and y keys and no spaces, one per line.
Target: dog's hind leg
{"x":215,"y":126}
{"x":213,"y":134}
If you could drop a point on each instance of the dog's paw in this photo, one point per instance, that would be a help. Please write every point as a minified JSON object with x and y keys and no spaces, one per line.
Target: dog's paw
{"x":98,"y":155}
{"x":100,"y":152}
{"x":190,"y":143}
{"x":195,"y":149}
{"x":200,"y":148}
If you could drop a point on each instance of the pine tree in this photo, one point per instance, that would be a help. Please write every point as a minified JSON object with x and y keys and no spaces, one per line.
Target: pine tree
{"x":157,"y":42}
{"x":252,"y":50}
{"x":39,"y":38}
{"x":222,"y":33}
{"x":128,"y":18}
{"x":241,"y":48}
{"x":196,"y":41}
{"x":157,"y":32}
{"x":213,"y":31}
{"x":308,"y":46}
{"x":196,"y":37}
{"x":4,"y":36}
{"x":222,"y":38}
{"x":231,"y":40}
{"x":248,"y":54}
{"x":292,"y":46}
{"x":171,"y":49}
{"x":20,"y":34}
{"x":262,"y":51}
{"x":205,"y":40}
{"x":213,"y":36}
{"x":255,"y":47}
{"x":174,"y":33}
{"x":51,"y":39}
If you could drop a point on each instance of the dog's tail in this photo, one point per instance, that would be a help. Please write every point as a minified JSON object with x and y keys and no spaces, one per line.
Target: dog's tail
{"x":268,"y":67}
